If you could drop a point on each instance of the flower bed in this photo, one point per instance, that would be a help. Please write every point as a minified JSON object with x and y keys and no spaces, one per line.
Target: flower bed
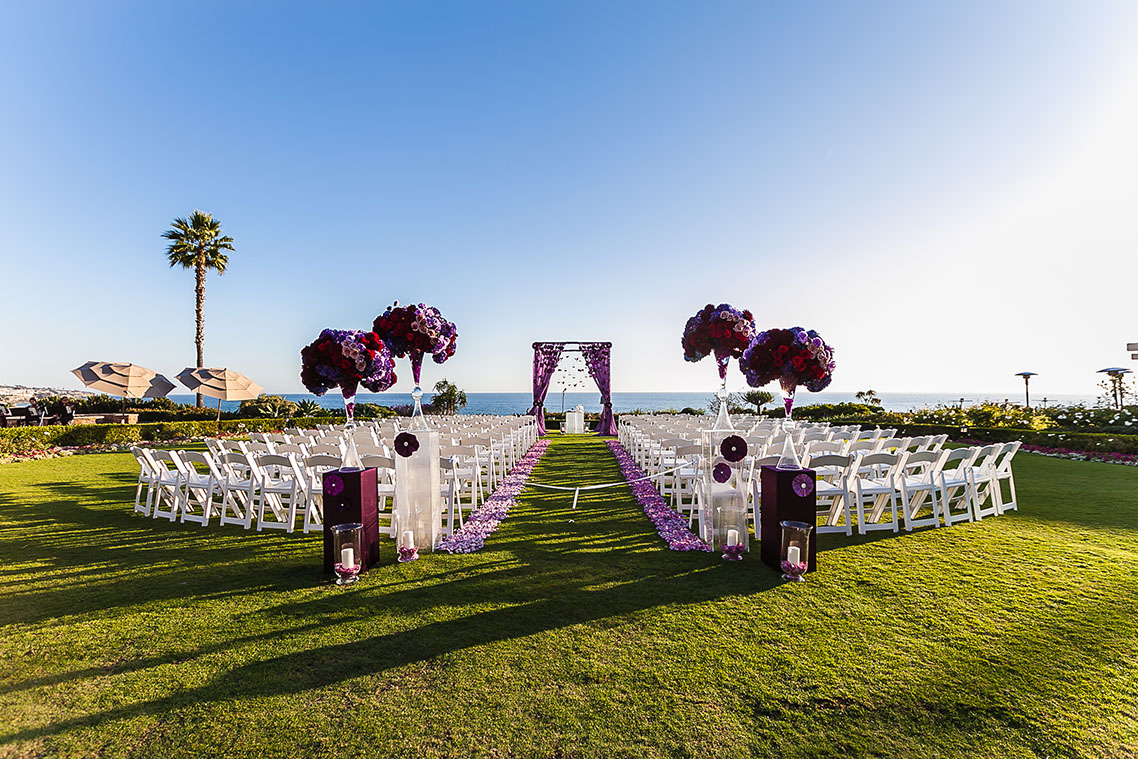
{"x":486,"y":518}
{"x":670,"y":524}
{"x":1106,"y":457}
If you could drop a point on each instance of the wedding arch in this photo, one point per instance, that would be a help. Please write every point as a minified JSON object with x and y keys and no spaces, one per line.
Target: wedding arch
{"x":546,"y":357}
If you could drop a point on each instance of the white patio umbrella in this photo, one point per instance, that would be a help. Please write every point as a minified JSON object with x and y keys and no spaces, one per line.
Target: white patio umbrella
{"x":123,"y":380}
{"x":223,"y":384}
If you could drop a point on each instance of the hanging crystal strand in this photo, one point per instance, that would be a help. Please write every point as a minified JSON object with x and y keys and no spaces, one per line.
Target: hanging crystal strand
{"x":723,"y":420}
{"x":418,"y":419}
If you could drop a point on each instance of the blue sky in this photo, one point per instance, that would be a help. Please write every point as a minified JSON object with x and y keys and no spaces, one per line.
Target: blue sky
{"x":946,"y":192}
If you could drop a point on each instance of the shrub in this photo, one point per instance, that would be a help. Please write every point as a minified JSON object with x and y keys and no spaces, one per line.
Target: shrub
{"x":26,"y":439}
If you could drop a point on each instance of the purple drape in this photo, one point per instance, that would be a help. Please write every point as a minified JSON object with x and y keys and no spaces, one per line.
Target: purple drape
{"x":597,"y":360}
{"x":545,"y":359}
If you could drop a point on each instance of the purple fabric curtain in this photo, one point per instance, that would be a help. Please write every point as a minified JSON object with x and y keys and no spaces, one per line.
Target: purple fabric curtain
{"x":597,"y":360}
{"x":545,"y":359}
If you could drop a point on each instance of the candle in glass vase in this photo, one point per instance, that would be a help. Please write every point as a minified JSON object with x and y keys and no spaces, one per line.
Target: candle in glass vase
{"x":793,"y":554}
{"x":348,"y":556}
{"x":733,"y":537}
{"x":408,"y":539}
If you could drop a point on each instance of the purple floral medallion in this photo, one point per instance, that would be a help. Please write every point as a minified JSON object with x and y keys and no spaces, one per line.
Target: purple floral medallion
{"x":721,"y":473}
{"x":733,"y":448}
{"x":803,"y":485}
{"x":333,"y":485}
{"x":406,"y":444}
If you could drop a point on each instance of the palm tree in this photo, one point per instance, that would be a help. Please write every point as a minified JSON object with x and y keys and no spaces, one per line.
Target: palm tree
{"x":448,"y":399}
{"x":758,"y":398}
{"x":199,"y":245}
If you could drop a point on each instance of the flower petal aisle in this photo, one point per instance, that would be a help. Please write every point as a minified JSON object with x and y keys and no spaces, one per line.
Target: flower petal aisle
{"x":671,"y":524}
{"x":485,"y":519}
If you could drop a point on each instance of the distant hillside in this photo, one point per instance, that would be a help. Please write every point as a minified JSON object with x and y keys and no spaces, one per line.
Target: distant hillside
{"x":19,"y":393}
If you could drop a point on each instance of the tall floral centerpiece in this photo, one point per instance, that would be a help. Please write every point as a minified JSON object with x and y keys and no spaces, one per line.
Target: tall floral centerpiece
{"x":412,"y":332}
{"x":794,"y":357}
{"x":722,"y":331}
{"x":346,"y":359}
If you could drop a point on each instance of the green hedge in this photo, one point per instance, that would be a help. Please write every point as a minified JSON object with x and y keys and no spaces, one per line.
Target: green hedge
{"x":25,"y":439}
{"x":1078,"y":441}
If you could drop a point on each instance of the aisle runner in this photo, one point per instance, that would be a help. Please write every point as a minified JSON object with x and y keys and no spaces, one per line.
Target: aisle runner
{"x":485,"y":519}
{"x":671,"y":525}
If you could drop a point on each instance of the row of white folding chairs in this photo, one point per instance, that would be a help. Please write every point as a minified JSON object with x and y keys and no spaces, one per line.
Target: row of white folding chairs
{"x":235,"y":487}
{"x":887,"y":491}
{"x":272,"y":489}
{"x":246,"y":481}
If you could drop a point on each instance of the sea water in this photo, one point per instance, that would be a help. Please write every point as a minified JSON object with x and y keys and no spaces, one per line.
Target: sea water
{"x":520,"y":403}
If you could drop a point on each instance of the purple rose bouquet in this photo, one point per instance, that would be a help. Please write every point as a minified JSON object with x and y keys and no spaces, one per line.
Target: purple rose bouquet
{"x":794,"y":357}
{"x":414,"y":331}
{"x":722,"y":330}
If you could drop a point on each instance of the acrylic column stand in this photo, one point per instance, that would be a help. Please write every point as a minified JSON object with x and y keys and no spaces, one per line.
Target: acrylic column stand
{"x":721,"y":490}
{"x":418,"y":493}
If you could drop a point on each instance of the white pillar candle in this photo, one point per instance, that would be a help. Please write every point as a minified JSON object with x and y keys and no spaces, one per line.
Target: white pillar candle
{"x":732,"y":537}
{"x":793,"y":554}
{"x":348,"y":556}
{"x":408,"y":538}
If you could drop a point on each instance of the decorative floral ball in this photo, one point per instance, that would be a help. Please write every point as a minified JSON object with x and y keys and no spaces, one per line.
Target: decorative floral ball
{"x":416,"y":330}
{"x":346,"y":359}
{"x":406,"y":444}
{"x":792,"y":356}
{"x":722,"y":330}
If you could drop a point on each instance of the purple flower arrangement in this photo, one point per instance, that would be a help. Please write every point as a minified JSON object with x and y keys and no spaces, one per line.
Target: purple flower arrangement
{"x":414,"y":331}
{"x":722,"y":330}
{"x":792,"y":356}
{"x":407,"y":553}
{"x":1105,"y":457}
{"x":670,"y":524}
{"x":486,"y":518}
{"x":346,"y":358}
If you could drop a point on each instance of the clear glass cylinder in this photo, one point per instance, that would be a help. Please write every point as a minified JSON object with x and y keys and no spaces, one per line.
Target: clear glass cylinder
{"x":795,"y":554}
{"x":349,"y":406}
{"x":347,"y":548}
{"x":732,"y":522}
{"x":418,"y":418}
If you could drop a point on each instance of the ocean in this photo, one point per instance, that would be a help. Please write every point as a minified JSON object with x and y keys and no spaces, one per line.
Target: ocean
{"x":519,"y":403}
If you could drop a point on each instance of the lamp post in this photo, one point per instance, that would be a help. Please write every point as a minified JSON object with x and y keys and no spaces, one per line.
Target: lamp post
{"x":1116,"y":373}
{"x":1026,"y":387}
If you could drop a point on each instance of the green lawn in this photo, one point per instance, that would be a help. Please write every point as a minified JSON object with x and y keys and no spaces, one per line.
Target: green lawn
{"x":571,"y":634}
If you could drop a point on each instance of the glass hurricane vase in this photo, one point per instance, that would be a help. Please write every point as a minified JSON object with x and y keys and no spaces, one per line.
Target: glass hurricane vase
{"x":347,"y":548}
{"x":418,"y":419}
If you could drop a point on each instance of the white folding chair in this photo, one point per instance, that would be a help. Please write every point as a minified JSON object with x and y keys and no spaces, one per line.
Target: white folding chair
{"x":832,"y":472}
{"x":200,"y":487}
{"x":985,"y":501}
{"x":955,"y":486}
{"x":148,"y":477}
{"x":1004,"y":474}
{"x":239,"y":490}
{"x":314,"y":467}
{"x":918,"y":481}
{"x":280,"y":491}
{"x":169,"y":484}
{"x":874,"y":476}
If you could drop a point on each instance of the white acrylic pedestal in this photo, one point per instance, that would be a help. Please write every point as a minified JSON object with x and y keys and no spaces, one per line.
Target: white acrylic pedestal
{"x":418,"y":494}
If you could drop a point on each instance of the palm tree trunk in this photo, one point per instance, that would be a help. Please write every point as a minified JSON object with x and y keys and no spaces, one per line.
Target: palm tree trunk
{"x":199,"y":337}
